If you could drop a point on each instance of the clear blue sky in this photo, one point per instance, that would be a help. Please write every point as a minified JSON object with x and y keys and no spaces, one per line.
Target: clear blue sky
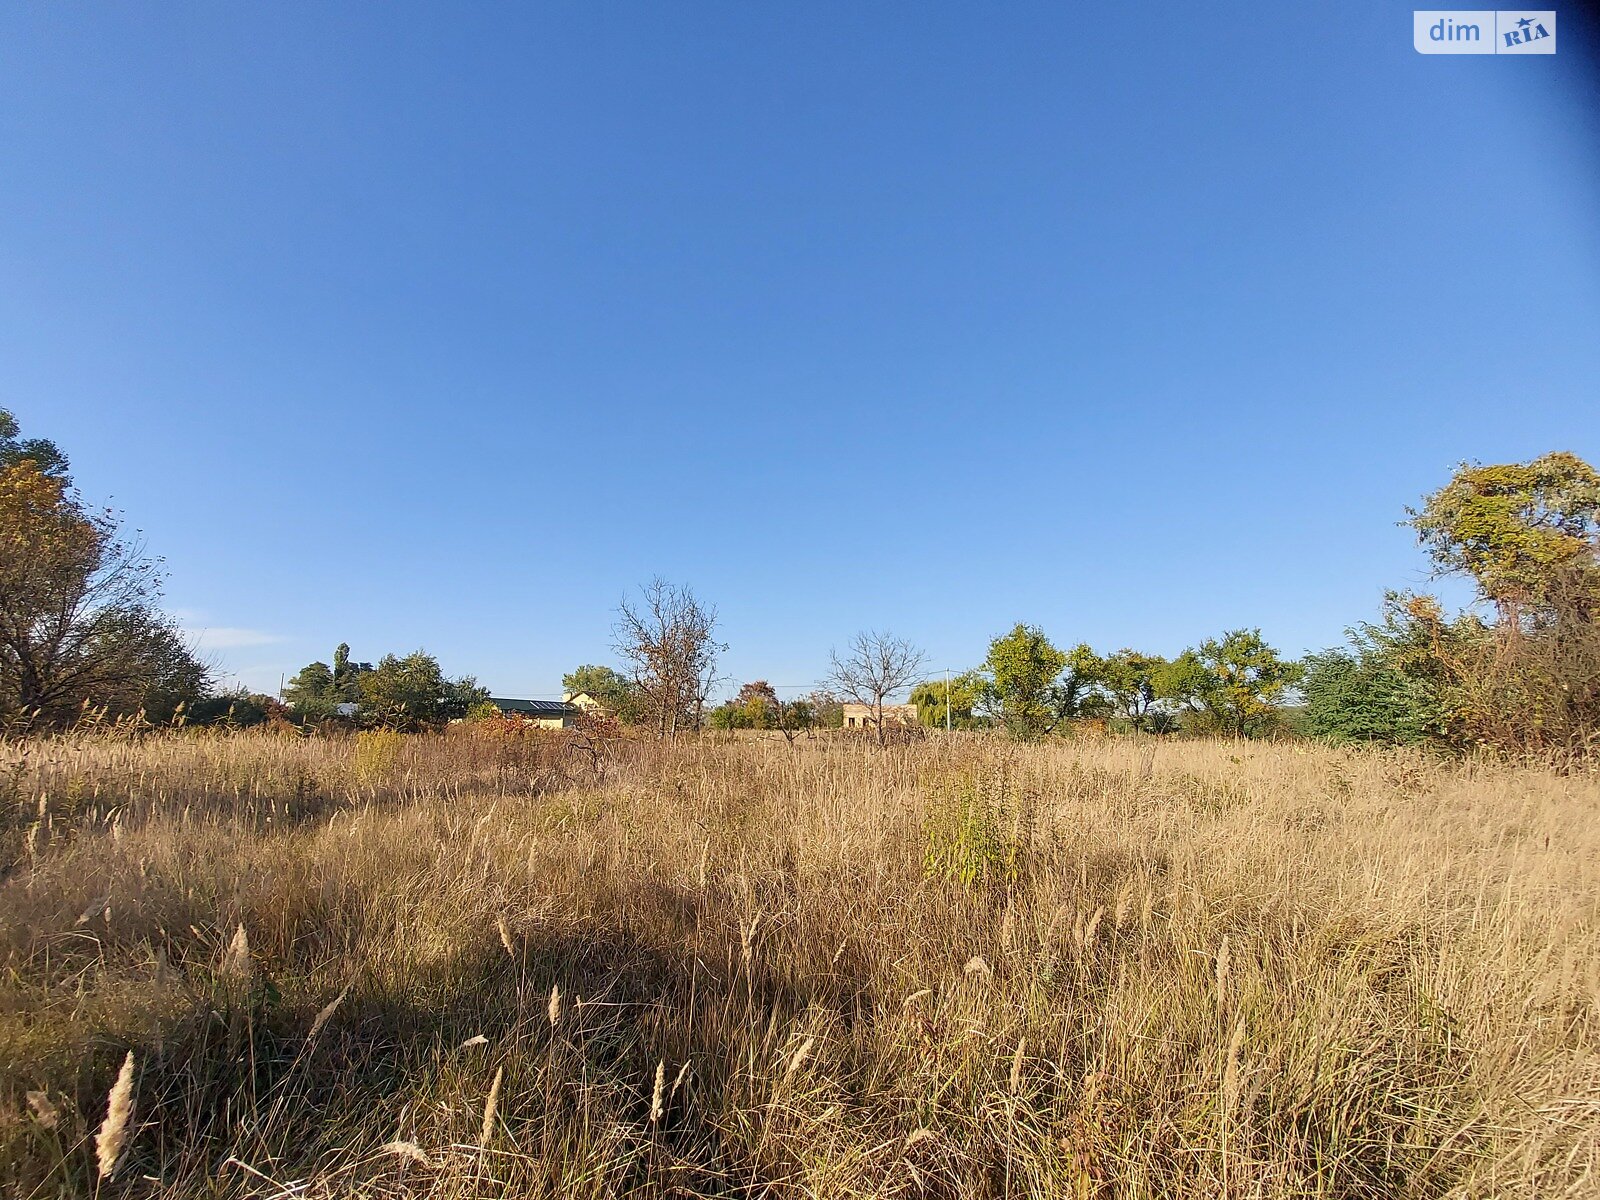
{"x":443,"y":325}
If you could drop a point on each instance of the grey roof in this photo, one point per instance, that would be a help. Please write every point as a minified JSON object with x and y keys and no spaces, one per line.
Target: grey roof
{"x":532,"y":708}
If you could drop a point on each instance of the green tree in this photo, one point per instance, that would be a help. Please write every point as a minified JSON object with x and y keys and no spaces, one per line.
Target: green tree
{"x":608,"y":687}
{"x":317,"y":690}
{"x":311,"y":692}
{"x":1032,"y":686}
{"x":413,"y":693}
{"x":825,"y":710}
{"x":45,"y":455}
{"x":1234,"y":684}
{"x":1128,"y":679}
{"x":964,"y":693}
{"x":347,"y":675}
{"x":1515,"y":528}
{"x":1386,"y":684}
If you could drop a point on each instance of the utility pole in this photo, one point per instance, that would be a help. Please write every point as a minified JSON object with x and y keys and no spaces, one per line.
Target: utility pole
{"x":947,"y":700}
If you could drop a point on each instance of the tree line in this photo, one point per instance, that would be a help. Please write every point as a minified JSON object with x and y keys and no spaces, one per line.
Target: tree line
{"x":82,"y":633}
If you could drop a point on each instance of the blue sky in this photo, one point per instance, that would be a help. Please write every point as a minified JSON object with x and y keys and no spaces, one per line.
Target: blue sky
{"x":445,"y":325}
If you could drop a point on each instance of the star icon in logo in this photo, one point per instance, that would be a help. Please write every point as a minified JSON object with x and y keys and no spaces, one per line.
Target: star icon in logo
{"x":1525,"y":22}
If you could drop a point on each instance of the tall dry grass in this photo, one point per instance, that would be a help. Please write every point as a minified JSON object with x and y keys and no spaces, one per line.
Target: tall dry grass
{"x":963,"y":968}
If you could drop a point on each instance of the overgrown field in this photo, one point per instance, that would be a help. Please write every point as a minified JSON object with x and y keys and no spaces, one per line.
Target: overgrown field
{"x":473,"y":967}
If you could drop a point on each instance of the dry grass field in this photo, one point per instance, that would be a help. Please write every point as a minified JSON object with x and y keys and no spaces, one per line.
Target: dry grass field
{"x":471,"y":967}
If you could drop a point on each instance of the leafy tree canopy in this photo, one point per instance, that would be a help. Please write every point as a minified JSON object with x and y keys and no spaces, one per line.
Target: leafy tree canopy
{"x":45,"y":455}
{"x":80,"y":617}
{"x":964,"y":693}
{"x":1128,"y":679}
{"x":1032,"y":686}
{"x":1235,"y":683}
{"x":413,"y":693}
{"x":610,"y":688}
{"x":1514,"y":527}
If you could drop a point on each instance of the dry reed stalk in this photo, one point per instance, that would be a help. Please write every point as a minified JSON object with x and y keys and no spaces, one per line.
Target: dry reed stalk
{"x":1224,"y":954}
{"x":658,"y":1097}
{"x":798,"y":1058}
{"x":236,"y":964}
{"x":978,"y":965}
{"x":678,"y":1079}
{"x":112,"y":1141}
{"x":1016,"y":1065}
{"x":326,"y":1012}
{"x":491,"y":1106}
{"x":408,"y":1151}
{"x":1230,"y":1073}
{"x":44,"y":1111}
{"x":747,"y":939}
{"x":1094,"y":926}
{"x":553,"y":1010}
{"x":505,"y":936}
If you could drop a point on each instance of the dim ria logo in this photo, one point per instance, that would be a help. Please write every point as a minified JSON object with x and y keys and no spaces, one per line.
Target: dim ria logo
{"x":1486,"y":31}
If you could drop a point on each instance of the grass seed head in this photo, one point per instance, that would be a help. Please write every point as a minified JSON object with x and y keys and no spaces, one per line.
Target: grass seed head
{"x":112,"y":1141}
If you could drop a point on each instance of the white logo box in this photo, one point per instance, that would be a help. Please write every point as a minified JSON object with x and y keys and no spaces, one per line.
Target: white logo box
{"x":1483,"y":31}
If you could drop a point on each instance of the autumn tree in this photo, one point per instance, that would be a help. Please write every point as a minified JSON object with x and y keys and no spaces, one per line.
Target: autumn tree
{"x":80,"y":617}
{"x":824,"y":709}
{"x":1528,"y":534}
{"x":1515,"y":528}
{"x":667,"y":638}
{"x":874,"y":666}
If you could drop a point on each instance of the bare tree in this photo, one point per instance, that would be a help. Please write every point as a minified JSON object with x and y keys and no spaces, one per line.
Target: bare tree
{"x":874,"y":667}
{"x":667,"y":640}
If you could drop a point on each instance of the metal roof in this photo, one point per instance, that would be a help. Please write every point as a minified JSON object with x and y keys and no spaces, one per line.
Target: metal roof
{"x":532,"y":708}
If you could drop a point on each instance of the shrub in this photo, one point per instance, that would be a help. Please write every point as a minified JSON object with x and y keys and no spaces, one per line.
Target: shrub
{"x":977,"y":830}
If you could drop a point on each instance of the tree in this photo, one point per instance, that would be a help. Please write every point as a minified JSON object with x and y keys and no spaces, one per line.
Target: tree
{"x":825,"y":710}
{"x":45,"y":455}
{"x":757,"y":706}
{"x":1514,"y":527}
{"x":346,"y":675}
{"x":413,"y":693}
{"x":607,"y":687}
{"x":311,"y":692}
{"x":1235,"y":682}
{"x":1128,"y":680}
{"x":239,"y":709}
{"x":1032,"y":686}
{"x":874,"y":667}
{"x":1351,"y":697}
{"x":761,"y":706}
{"x":80,"y":618}
{"x":317,"y":690}
{"x":668,"y":642}
{"x":961,"y":694}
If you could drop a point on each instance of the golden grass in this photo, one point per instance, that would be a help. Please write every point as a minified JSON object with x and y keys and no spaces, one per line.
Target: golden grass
{"x":962,"y":968}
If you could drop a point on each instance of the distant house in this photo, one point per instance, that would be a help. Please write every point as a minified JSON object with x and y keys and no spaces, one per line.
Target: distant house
{"x":548,"y":714}
{"x":862,"y":716}
{"x":584,"y":701}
